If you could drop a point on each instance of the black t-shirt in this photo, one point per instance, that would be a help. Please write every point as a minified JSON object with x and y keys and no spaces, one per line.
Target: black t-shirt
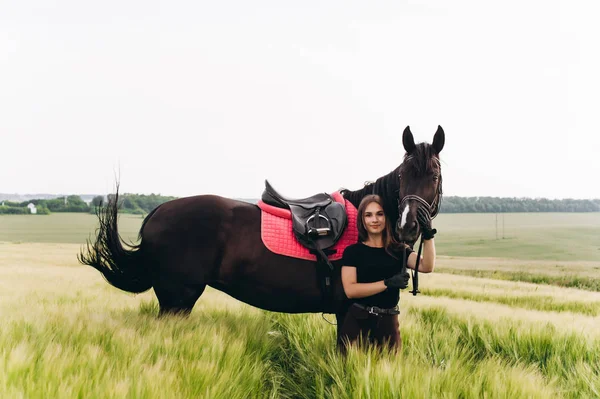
{"x":374,"y":264}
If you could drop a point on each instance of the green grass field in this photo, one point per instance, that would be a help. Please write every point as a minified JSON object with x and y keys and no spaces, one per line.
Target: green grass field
{"x":527,"y":236}
{"x":61,"y":227}
{"x":478,"y":330}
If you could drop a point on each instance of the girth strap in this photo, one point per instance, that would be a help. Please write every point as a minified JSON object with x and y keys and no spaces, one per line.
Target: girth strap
{"x":324,"y":274}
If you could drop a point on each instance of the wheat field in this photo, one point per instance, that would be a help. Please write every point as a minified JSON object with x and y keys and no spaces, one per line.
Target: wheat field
{"x":66,"y":333}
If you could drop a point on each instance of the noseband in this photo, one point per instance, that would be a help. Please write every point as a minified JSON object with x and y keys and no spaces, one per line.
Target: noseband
{"x":433,"y":208}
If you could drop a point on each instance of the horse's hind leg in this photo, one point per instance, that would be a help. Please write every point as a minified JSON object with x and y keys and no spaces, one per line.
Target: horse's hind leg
{"x":177,"y":297}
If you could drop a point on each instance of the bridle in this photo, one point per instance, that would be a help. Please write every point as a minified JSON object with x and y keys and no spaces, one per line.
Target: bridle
{"x":433,"y":209}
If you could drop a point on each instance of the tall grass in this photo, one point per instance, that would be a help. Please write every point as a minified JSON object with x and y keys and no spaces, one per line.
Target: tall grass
{"x":443,"y":356}
{"x":566,"y":280}
{"x":98,"y":342}
{"x":539,"y":302}
{"x":134,"y":354}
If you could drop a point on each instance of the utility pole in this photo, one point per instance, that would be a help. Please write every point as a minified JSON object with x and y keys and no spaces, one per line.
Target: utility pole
{"x":496,"y":226}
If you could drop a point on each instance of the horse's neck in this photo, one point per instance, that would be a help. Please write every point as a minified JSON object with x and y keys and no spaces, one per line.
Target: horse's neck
{"x":386,"y":187}
{"x":356,"y":196}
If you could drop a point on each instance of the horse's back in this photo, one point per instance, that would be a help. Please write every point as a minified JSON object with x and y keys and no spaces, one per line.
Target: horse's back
{"x":213,"y":240}
{"x":197,"y":218}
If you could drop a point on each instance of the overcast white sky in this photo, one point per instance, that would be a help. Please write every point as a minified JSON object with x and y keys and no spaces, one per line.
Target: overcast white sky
{"x":193,"y":97}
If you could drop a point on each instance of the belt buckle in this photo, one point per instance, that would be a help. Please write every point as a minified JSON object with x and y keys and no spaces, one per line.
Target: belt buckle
{"x":371,"y":311}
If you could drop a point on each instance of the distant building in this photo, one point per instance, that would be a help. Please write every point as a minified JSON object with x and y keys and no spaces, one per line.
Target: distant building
{"x":32,"y":208}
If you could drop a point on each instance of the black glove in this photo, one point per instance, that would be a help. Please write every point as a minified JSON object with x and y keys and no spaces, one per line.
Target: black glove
{"x":424,"y":219}
{"x":399,"y":280}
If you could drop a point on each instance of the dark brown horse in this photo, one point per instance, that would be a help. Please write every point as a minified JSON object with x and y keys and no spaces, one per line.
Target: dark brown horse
{"x":189,"y":243}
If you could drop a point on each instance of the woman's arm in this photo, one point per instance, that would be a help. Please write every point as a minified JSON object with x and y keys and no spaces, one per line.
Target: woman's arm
{"x":427,"y":263}
{"x":359,"y":290}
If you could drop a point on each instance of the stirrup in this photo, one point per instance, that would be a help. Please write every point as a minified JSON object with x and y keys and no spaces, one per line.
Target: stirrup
{"x":318,"y":231}
{"x":323,"y":231}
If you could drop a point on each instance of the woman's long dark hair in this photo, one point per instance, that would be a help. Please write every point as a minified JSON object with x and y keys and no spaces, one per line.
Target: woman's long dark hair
{"x":392,"y":247}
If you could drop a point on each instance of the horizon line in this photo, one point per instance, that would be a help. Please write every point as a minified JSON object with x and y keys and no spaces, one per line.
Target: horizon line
{"x":252,"y":197}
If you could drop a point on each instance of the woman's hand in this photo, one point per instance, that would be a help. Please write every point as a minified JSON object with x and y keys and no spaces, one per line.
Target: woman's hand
{"x":399,"y":280}
{"x":424,"y":219}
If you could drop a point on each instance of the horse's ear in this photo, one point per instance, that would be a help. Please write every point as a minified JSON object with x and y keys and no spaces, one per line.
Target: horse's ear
{"x":408,"y":140}
{"x":438,"y":140}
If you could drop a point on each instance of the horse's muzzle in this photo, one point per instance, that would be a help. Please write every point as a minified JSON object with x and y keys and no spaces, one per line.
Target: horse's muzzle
{"x":409,"y":232}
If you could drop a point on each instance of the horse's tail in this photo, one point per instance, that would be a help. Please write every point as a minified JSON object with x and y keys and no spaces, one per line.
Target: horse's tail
{"x":121,"y":267}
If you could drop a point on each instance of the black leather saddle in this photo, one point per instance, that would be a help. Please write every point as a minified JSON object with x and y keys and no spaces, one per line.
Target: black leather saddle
{"x":272,"y":197}
{"x":317,"y":221}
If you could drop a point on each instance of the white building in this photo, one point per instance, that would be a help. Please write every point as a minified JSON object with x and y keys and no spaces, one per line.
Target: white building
{"x":32,"y":208}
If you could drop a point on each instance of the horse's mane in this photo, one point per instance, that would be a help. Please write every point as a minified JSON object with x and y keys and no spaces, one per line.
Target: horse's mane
{"x":387,"y":187}
{"x":422,"y":160}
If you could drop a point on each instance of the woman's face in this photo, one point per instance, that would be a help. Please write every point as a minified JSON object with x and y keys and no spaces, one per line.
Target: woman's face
{"x":374,"y":218}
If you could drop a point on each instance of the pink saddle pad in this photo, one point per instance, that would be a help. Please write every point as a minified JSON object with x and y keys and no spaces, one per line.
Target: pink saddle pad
{"x":277,"y":235}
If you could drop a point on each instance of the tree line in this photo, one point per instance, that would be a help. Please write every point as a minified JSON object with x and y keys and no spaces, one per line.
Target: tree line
{"x":138,"y":204}
{"x":128,"y":203}
{"x":453,"y":204}
{"x":71,"y":203}
{"x":142,"y":204}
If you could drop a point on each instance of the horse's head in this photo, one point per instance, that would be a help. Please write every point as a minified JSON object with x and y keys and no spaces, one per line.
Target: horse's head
{"x":420,"y":182}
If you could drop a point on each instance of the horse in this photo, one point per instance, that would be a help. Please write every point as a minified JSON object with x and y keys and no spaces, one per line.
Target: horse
{"x":189,"y":243}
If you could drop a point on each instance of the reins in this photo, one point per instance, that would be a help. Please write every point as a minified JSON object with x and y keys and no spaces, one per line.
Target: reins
{"x":415,"y":274}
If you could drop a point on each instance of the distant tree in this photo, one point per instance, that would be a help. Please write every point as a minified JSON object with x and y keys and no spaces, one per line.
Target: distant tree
{"x":42,"y":209}
{"x":72,"y":203}
{"x":97,"y":201}
{"x":75,"y":200}
{"x":13,"y":210}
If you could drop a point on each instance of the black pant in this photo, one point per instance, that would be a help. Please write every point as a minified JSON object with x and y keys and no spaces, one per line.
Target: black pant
{"x":359,"y":325}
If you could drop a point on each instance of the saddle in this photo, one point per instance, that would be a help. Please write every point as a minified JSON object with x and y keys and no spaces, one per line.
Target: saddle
{"x":317,"y":221}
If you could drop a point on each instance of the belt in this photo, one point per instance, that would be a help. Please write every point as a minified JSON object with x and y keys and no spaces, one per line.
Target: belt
{"x":374,"y":310}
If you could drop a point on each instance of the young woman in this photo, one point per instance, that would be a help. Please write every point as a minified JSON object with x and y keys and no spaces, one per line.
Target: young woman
{"x":372,"y":276}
